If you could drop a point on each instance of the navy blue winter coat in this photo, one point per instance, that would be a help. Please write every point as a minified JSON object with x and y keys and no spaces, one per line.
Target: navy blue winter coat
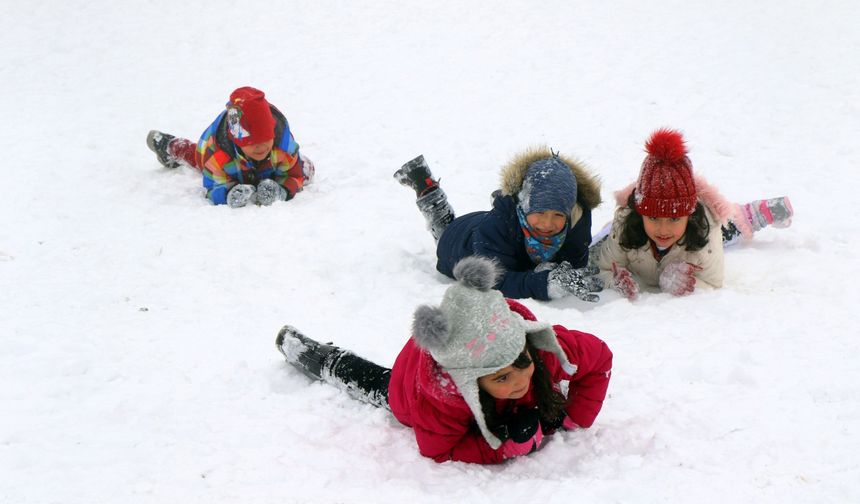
{"x":497,"y":233}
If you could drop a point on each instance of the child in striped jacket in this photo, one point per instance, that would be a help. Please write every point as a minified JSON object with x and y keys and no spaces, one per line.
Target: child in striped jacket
{"x":247,"y":155}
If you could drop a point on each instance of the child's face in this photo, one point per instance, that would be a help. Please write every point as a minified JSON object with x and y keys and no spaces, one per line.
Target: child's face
{"x":258,"y":151}
{"x":508,"y":382}
{"x":665,"y":231}
{"x":546,"y":224}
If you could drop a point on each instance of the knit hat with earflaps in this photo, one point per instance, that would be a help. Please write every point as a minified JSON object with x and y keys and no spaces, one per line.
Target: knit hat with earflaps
{"x":474,"y":333}
{"x":249,"y":117}
{"x":548,"y":184}
{"x":665,"y":187}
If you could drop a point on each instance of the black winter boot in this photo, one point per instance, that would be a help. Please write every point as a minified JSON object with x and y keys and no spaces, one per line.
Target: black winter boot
{"x":158,"y":143}
{"x":309,"y":356}
{"x":416,"y":174}
{"x":436,"y":210}
{"x":361,"y":378}
{"x":731,"y":234}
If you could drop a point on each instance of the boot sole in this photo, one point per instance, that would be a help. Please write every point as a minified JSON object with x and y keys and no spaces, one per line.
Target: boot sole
{"x":402,"y":175}
{"x":150,"y":142}
{"x":282,"y":334}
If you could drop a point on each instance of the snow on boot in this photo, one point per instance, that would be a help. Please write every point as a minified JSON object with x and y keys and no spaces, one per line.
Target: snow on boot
{"x":776,"y":212}
{"x":159,"y":143}
{"x":308,"y":169}
{"x":436,"y":210}
{"x":416,"y":174}
{"x":731,"y":234}
{"x":360,"y":378}
{"x":307,"y":355}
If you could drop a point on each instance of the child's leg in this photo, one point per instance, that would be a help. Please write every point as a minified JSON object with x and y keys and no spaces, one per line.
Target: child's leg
{"x":184,"y":150}
{"x":437,"y":211}
{"x":755,"y":215}
{"x":432,"y":200}
{"x":172,"y":151}
{"x":308,"y":169}
{"x":363,"y":379}
{"x":776,"y":212}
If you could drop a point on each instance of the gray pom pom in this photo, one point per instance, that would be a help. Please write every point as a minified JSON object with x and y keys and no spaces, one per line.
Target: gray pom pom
{"x":430,"y":327}
{"x":477,"y":272}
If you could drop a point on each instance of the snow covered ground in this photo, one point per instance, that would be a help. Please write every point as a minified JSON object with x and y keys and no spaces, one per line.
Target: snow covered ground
{"x":137,"y":321}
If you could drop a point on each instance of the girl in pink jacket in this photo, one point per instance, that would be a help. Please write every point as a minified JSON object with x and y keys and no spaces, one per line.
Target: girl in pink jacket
{"x":670,"y":226}
{"x":480,"y":380}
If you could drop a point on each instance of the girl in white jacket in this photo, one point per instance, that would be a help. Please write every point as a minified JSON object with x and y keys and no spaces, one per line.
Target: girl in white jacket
{"x":670,"y":227}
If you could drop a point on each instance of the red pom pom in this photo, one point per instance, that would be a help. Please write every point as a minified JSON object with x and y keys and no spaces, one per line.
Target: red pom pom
{"x":666,"y":145}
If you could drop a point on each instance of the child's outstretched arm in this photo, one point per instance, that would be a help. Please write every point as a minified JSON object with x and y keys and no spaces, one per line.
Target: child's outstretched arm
{"x":288,"y":165}
{"x":215,"y":178}
{"x":711,"y":259}
{"x":594,"y":367}
{"x":492,"y":240}
{"x":516,"y":284}
{"x":443,"y":438}
{"x":609,"y":251}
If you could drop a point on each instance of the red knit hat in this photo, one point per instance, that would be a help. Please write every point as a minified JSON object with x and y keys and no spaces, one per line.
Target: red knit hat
{"x":665,"y":187}
{"x":249,"y":118}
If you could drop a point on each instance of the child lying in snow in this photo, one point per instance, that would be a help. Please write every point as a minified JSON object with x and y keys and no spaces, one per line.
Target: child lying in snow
{"x":539,"y":228}
{"x":247,"y":155}
{"x":480,"y":379}
{"x":667,"y":229}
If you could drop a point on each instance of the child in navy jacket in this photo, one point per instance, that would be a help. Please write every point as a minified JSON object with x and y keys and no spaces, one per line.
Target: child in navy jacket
{"x":539,"y":229}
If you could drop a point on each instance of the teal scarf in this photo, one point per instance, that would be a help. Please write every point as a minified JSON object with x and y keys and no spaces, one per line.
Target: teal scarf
{"x":540,"y":249}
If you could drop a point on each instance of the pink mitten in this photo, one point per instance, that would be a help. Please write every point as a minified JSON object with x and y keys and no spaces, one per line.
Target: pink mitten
{"x":623,"y":282}
{"x":569,"y":424}
{"x":678,"y":278}
{"x":521,"y":433}
{"x":513,"y":448}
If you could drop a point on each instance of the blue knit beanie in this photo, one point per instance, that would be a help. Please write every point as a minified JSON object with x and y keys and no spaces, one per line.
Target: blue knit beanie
{"x":548,"y":185}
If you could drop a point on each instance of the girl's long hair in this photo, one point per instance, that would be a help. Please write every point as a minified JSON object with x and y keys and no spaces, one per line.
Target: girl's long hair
{"x":549,"y":401}
{"x":633,"y":233}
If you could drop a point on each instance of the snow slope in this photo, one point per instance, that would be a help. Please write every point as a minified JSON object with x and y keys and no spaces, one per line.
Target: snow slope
{"x":137,"y":321}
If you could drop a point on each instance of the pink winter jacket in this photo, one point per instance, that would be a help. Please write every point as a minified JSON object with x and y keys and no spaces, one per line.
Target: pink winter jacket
{"x":422,"y":396}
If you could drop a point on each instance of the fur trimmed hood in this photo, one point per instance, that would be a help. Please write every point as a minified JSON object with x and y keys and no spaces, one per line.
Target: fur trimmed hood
{"x":722,"y":209}
{"x":513,"y":173}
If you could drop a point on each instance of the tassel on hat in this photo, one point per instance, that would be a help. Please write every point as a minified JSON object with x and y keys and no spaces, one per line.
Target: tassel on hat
{"x":474,"y":333}
{"x":665,"y":187}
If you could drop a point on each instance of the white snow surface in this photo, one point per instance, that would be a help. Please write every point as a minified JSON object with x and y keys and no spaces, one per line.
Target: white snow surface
{"x":137,"y":321}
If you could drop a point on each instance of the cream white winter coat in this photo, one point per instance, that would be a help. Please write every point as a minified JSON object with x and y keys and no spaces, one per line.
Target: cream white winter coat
{"x":641,"y":262}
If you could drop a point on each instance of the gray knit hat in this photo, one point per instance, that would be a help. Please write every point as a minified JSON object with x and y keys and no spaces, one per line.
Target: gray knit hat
{"x":548,"y":184}
{"x":474,"y":333}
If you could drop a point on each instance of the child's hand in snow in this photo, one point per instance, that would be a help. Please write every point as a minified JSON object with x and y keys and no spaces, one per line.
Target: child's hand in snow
{"x":269,"y":191}
{"x":678,"y":278}
{"x":623,"y":282}
{"x":564,"y":279}
{"x":521,"y":433}
{"x":241,"y":195}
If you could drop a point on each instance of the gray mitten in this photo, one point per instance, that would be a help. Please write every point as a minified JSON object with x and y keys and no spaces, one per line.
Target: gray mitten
{"x":269,"y":191}
{"x":240,"y":195}
{"x":545,"y":266}
{"x":564,"y":280}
